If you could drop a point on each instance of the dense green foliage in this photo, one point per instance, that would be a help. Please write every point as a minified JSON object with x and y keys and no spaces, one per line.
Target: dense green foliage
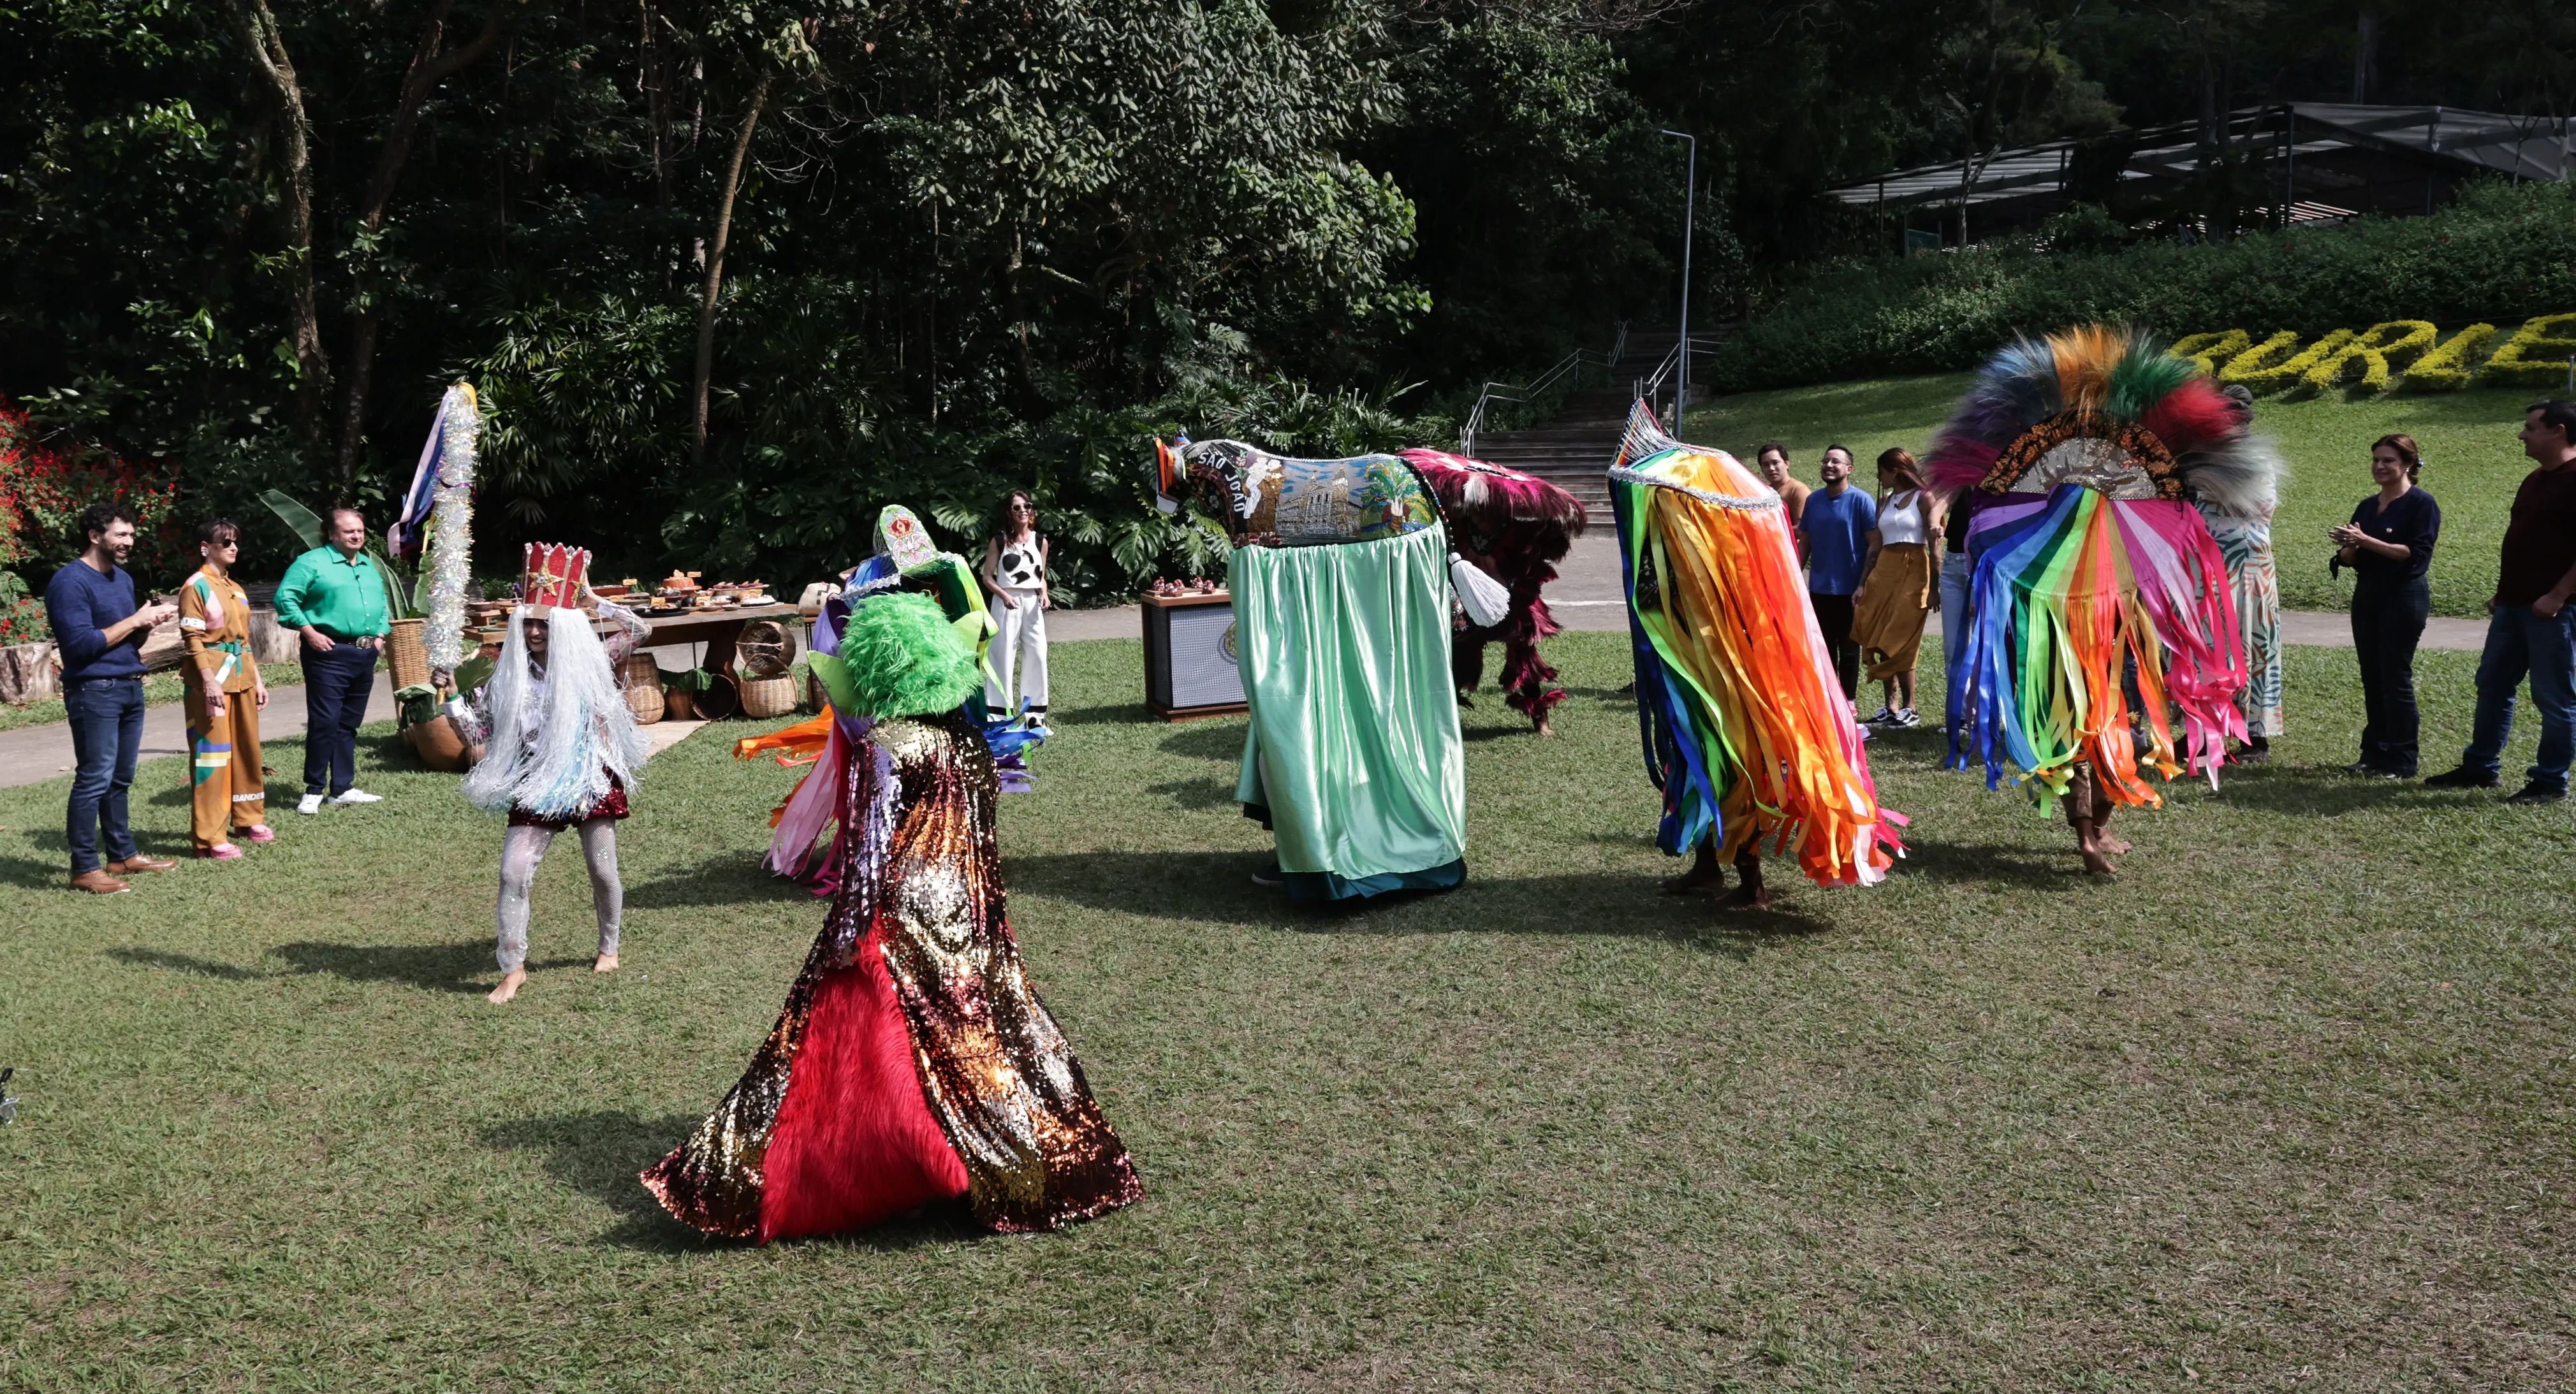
{"x":2502,"y":252}
{"x":731,"y":276}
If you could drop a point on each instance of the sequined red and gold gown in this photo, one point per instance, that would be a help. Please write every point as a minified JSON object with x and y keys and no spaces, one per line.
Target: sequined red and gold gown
{"x":913,"y":1062}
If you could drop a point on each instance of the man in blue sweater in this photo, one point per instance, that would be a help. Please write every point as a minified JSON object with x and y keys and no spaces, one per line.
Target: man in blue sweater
{"x":100,"y":632}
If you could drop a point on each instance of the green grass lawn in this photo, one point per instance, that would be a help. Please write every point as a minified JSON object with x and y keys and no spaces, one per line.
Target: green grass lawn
{"x":2472,"y":464}
{"x":2289,"y":1105}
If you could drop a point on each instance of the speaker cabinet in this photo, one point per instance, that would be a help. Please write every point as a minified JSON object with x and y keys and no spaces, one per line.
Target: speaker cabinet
{"x":1189,"y":656}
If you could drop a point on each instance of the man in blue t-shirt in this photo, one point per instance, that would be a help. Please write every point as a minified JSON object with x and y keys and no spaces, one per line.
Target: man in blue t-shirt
{"x":1833,"y":536}
{"x":99,"y":633}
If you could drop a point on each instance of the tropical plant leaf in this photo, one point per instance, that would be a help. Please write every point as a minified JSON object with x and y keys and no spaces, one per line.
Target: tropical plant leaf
{"x":299,"y":520}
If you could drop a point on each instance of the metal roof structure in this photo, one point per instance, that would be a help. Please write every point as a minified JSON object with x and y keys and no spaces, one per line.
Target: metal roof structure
{"x":2317,"y":160}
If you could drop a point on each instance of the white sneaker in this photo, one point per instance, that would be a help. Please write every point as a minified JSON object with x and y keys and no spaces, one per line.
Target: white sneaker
{"x":309,"y":805}
{"x":1882,"y":717}
{"x":355,"y":795}
{"x":1865,"y":732}
{"x":1906,"y":719}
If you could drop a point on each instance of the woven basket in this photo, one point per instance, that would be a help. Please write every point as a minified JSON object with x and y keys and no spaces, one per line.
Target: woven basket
{"x":764,"y":649}
{"x":720,"y":701}
{"x":763,"y":698}
{"x":407,"y":653}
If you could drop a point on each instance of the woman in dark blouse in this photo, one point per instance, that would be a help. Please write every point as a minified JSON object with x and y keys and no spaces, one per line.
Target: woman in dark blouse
{"x":2389,"y":544}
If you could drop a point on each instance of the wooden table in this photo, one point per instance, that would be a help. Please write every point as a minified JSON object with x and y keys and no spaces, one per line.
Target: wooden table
{"x":717,"y":629}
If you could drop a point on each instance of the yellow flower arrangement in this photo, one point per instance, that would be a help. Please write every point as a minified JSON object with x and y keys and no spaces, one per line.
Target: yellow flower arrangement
{"x":2535,"y":356}
{"x":2394,"y":343}
{"x":2271,"y":365}
{"x":2449,"y":367}
{"x":2211,"y":351}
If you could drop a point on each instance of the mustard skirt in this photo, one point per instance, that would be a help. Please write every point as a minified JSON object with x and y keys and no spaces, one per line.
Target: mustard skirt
{"x":1893,"y":605}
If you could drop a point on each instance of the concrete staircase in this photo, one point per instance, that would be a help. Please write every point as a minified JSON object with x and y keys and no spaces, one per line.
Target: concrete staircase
{"x":1573,"y":449}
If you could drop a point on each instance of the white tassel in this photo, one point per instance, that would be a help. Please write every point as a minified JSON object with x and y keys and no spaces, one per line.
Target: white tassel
{"x":1486,"y":600}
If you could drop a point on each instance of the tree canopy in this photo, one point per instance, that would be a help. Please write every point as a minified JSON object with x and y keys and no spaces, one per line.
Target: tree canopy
{"x":731,"y":275}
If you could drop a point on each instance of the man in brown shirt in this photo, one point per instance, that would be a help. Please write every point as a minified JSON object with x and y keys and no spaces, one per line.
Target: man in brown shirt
{"x":2533,"y":629}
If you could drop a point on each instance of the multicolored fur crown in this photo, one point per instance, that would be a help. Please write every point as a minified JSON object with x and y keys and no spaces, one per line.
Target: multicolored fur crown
{"x":554,"y":575}
{"x":2110,"y":410}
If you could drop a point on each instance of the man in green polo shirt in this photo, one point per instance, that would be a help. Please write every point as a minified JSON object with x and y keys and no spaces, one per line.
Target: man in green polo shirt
{"x":335,"y":597}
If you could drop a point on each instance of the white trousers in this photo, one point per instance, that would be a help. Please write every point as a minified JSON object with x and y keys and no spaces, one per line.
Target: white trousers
{"x":1019,"y":656}
{"x":522,"y":848}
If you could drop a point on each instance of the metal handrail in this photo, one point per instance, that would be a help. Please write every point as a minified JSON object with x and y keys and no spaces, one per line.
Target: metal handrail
{"x":1648,"y":387}
{"x":1526,"y":391}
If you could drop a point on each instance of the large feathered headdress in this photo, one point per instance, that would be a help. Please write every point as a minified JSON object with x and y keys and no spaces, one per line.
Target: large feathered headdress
{"x":2090,"y":449}
{"x":2111,"y":410}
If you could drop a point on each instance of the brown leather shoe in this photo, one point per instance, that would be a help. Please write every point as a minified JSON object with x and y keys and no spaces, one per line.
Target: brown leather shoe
{"x":99,"y":883}
{"x":139,"y":863}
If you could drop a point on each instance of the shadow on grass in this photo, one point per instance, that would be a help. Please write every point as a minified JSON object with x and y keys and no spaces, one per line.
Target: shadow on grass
{"x":437,"y":967}
{"x":1217,"y":888}
{"x":1131,"y":715}
{"x":184,"y":963}
{"x":599,"y":1154}
{"x":1205,"y":740}
{"x":56,"y":873}
{"x":1196,"y":793}
{"x":726,"y":878}
{"x":465,"y":967}
{"x":2329,"y":793}
{"x":2036,"y":869}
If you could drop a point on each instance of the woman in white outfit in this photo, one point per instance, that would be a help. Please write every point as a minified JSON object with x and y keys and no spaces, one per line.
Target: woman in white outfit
{"x":1015,"y":571}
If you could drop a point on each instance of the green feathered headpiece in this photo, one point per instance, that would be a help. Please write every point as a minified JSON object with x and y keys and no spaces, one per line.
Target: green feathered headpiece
{"x":901,"y":657}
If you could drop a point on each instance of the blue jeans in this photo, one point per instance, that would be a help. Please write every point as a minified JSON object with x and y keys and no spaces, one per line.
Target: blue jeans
{"x":1955,"y":576}
{"x":107,"y":733}
{"x":337,"y":684}
{"x":2518,"y":643}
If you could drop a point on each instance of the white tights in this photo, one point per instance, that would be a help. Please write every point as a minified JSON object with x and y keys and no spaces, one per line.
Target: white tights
{"x":522,"y":849}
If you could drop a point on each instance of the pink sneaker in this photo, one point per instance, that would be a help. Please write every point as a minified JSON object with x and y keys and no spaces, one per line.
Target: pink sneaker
{"x":258,"y":832}
{"x":220,"y":852}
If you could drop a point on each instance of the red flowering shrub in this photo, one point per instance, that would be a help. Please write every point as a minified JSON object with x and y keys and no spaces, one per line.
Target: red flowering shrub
{"x":42,"y":492}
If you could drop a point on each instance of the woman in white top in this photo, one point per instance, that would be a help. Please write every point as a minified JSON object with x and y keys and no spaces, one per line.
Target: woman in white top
{"x":1015,"y":571}
{"x":1901,"y":584}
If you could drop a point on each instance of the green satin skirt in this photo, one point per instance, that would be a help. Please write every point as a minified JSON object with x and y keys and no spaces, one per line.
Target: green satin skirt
{"x":1353,"y":757}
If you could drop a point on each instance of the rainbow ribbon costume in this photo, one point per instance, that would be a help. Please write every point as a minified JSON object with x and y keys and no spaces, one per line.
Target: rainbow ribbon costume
{"x":2083,"y":456}
{"x":1745,"y":727}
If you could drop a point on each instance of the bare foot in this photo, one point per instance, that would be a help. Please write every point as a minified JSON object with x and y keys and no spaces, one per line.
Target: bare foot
{"x":607,"y":964}
{"x":2111,"y":846}
{"x":1544,"y":729}
{"x":2096,"y":864}
{"x":1747,"y":898}
{"x":509,"y":988}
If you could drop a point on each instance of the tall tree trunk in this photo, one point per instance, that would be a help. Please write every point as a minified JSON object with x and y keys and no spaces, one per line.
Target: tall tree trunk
{"x":429,"y":67}
{"x":259,"y":33}
{"x":715,"y":268}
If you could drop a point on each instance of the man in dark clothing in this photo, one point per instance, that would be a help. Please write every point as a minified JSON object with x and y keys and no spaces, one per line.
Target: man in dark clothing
{"x":2533,"y":631}
{"x":100,"y":632}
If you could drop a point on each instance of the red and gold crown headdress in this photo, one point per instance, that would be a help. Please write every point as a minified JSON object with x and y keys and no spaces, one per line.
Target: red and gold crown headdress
{"x":555,"y":575}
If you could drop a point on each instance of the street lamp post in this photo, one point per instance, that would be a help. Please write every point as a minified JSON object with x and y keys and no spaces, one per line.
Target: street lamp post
{"x":1690,"y":210}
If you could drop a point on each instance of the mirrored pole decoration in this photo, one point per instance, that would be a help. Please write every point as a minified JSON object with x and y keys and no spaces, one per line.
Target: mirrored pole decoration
{"x":442,"y":498}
